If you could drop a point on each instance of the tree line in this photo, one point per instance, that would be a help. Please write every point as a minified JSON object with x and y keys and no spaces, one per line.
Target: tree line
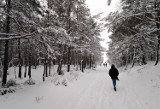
{"x":135,"y":34}
{"x":48,"y":32}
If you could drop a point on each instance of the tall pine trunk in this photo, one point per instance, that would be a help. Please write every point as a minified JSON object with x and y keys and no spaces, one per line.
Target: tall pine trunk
{"x":5,"y":68}
{"x":68,"y":31}
{"x":90,"y":61}
{"x":59,"y":69}
{"x":157,"y":54}
{"x":49,"y":67}
{"x":158,"y":27}
{"x":26,"y":62}
{"x":29,"y":62}
{"x":20,"y":60}
{"x":126,"y":60}
{"x":46,"y":66}
{"x":143,"y":56}
{"x":44,"y":71}
{"x":134,"y":56}
{"x":82,"y":65}
{"x":69,"y":59}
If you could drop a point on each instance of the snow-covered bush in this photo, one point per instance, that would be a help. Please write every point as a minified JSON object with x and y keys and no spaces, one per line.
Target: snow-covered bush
{"x":73,"y":75}
{"x":59,"y":80}
{"x":11,"y":90}
{"x":29,"y":82}
{"x":64,"y":82}
{"x":4,"y":91}
{"x":56,"y":80}
{"x":66,"y":78}
{"x":11,"y":82}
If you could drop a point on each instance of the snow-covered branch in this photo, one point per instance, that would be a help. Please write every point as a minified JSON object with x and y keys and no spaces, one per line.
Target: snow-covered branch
{"x":16,"y":36}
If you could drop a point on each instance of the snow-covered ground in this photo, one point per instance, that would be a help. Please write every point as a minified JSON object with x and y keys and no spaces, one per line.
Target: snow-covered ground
{"x":138,"y":88}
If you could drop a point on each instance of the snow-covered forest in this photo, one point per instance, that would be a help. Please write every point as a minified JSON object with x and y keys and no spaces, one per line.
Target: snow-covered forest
{"x":135,"y":34}
{"x":48,"y":32}
{"x":51,"y":56}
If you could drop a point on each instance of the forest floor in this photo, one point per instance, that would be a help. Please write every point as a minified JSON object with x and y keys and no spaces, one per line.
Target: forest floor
{"x":138,"y":88}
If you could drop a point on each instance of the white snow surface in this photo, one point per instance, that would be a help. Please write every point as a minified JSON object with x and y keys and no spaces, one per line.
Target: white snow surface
{"x":138,"y":88}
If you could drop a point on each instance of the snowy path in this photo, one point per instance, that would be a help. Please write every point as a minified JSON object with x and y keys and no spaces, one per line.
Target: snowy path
{"x":100,"y":95}
{"x":92,"y":91}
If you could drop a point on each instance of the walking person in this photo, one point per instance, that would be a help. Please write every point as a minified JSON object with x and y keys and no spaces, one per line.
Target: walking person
{"x":113,"y":73}
{"x":106,"y":64}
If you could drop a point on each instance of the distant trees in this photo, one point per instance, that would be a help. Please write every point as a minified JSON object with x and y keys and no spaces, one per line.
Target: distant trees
{"x":135,"y":33}
{"x":47,"y":32}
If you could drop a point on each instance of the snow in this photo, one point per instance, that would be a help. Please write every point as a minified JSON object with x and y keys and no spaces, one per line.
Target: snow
{"x":43,"y":4}
{"x":138,"y":88}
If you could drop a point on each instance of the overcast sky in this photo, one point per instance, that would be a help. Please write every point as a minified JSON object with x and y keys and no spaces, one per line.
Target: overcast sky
{"x":98,"y":6}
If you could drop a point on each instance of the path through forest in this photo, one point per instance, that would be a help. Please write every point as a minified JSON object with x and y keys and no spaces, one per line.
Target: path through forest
{"x":93,"y":90}
{"x":100,"y":95}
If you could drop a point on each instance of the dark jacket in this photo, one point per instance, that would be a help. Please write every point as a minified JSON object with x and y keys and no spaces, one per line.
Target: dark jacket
{"x":113,"y":72}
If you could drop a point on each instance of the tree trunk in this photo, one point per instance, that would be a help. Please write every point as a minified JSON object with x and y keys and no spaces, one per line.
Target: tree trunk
{"x":44,"y":71}
{"x":54,"y":61}
{"x":35,"y":62}
{"x":133,"y":60}
{"x":49,"y":67}
{"x":5,"y":68}
{"x":26,"y":62}
{"x":143,"y":56}
{"x":126,"y":59}
{"x":69,"y":59}
{"x":30,"y":62}
{"x":76,"y":59}
{"x":20,"y":60}
{"x":25,"y":71}
{"x":59,"y":69}
{"x":82,"y":65}
{"x":68,"y":31}
{"x":93,"y":61}
{"x":157,"y":54}
{"x":46,"y":62}
{"x":90,"y":61}
{"x":158,"y":27}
